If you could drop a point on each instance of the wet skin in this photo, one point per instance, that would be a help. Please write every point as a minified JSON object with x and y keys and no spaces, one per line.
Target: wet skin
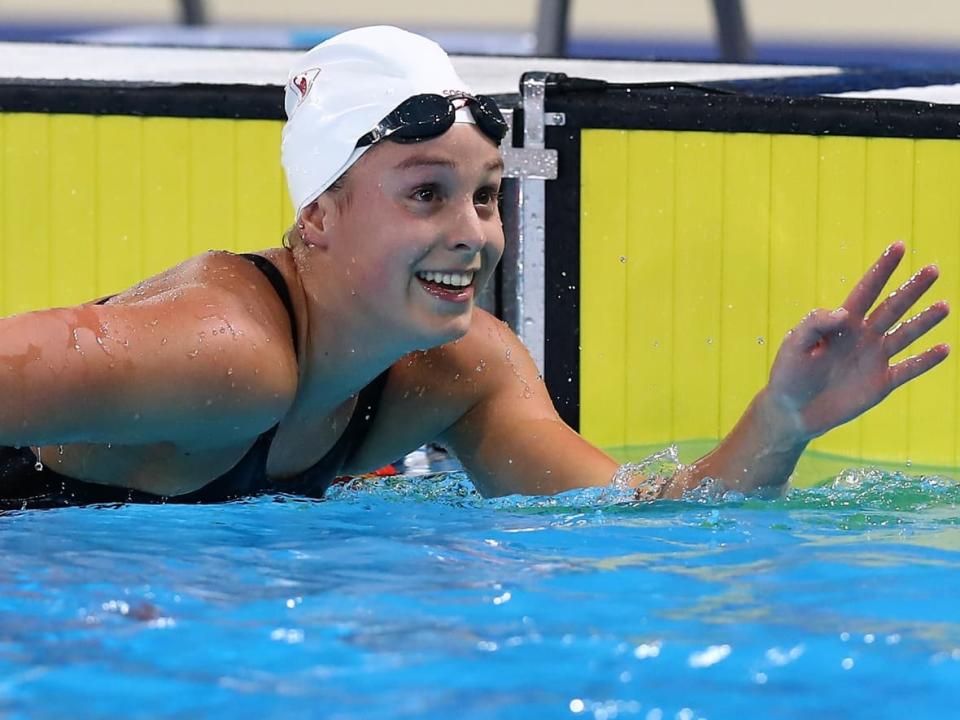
{"x":167,"y":385}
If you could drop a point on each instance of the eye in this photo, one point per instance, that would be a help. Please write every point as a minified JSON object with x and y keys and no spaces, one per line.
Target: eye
{"x":487,"y":196}
{"x":425,"y":193}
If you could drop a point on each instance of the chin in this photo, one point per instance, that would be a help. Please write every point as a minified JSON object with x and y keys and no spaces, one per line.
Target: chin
{"x":450,"y":329}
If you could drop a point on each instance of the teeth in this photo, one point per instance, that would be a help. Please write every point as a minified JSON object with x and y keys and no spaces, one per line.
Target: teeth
{"x":454,"y":279}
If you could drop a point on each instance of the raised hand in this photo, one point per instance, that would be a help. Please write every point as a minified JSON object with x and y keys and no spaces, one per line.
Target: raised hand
{"x":835,"y":365}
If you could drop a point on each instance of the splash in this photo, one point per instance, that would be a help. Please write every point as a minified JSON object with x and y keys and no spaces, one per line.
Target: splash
{"x":866,"y":491}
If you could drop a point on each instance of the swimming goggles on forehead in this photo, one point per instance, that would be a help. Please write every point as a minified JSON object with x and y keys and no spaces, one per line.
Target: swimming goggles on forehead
{"x":422,"y":117}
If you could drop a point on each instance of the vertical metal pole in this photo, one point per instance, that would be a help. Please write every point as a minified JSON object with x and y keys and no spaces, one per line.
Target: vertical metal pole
{"x":530,"y":166}
{"x":552,"y":28}
{"x":193,"y":12}
{"x":733,"y":37}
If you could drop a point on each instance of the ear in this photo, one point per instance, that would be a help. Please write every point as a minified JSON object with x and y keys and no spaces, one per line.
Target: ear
{"x":316,"y":221}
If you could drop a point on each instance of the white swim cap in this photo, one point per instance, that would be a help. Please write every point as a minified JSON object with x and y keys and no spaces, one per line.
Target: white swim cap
{"x":341,"y":89}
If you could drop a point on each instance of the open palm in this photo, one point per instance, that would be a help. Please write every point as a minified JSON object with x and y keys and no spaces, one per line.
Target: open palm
{"x":835,"y":365}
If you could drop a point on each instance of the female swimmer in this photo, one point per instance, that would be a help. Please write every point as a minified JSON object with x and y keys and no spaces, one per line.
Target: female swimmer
{"x":358,"y":341}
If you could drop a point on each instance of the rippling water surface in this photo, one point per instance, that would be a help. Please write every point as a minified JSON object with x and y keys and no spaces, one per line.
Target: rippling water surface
{"x":414,"y":598}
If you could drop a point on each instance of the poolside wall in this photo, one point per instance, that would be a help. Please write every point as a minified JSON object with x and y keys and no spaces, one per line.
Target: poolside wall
{"x":698,"y":250}
{"x":681,"y":245}
{"x":93,"y":203}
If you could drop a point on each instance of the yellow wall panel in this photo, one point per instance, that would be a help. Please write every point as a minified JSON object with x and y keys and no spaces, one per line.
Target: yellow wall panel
{"x":26,"y":226}
{"x":794,"y":161}
{"x":3,"y":206}
{"x":745,"y":246}
{"x":120,"y":205}
{"x":166,"y":177}
{"x":650,"y":252}
{"x":697,"y":271}
{"x":933,"y":400}
{"x":93,"y":204}
{"x":889,"y":217}
{"x":73,"y":216}
{"x":839,"y":245}
{"x":263,"y":208}
{"x":758,"y":230}
{"x":603,"y":274}
{"x":212,"y":194}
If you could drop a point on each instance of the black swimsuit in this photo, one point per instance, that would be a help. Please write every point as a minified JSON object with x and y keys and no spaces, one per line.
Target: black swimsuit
{"x":23,"y":486}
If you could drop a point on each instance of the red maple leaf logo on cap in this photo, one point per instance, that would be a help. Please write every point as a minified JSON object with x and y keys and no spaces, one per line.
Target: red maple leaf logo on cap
{"x":302,"y":82}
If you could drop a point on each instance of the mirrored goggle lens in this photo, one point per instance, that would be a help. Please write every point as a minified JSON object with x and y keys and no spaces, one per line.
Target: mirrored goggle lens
{"x":489,"y":118}
{"x":422,"y":117}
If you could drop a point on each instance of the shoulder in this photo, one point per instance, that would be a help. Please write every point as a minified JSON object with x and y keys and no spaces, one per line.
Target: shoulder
{"x":487,"y":365}
{"x":489,"y":359}
{"x":215,"y":332}
{"x":429,"y":391}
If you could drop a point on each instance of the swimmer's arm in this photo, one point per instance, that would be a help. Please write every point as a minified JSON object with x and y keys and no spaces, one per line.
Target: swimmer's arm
{"x":183,"y":370}
{"x":830,"y":369}
{"x":512,"y":440}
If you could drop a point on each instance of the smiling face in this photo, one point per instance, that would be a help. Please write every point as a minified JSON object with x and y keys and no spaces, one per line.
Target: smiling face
{"x":417,"y":232}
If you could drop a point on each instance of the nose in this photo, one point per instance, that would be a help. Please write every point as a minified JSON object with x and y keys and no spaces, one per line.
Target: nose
{"x":467,"y":231}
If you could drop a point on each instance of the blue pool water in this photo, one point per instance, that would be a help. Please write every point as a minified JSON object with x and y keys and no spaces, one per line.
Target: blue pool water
{"x":414,"y":598}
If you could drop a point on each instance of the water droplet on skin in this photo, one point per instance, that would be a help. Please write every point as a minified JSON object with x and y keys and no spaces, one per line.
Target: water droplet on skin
{"x":193,"y":353}
{"x":229,"y":371}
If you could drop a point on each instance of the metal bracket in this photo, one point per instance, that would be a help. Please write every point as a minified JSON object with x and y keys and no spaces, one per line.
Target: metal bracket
{"x":532,"y":165}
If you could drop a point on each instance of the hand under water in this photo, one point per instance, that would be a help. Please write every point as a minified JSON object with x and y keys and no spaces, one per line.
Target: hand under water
{"x":836,"y":365}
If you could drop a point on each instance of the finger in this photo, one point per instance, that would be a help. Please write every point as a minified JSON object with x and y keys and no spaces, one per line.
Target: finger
{"x":889,"y":312}
{"x":865,"y":294}
{"x":903,"y":336}
{"x":917,"y":365}
{"x":819,"y":324}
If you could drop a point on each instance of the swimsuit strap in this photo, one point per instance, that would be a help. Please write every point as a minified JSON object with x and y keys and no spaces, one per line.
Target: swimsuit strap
{"x":280,"y":286}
